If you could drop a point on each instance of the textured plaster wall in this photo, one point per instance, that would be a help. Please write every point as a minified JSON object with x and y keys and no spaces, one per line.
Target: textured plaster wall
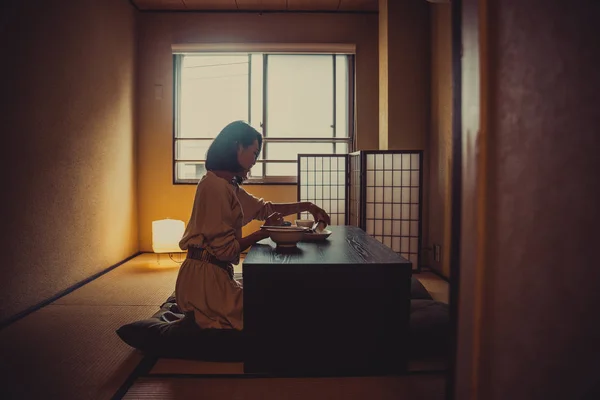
{"x":531,"y":217}
{"x":68,"y":151}
{"x":440,"y":141}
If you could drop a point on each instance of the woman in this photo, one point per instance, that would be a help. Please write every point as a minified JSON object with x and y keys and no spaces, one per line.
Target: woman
{"x":205,"y":287}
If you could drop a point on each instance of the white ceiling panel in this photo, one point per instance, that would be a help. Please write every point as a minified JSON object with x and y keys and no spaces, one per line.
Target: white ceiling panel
{"x":159,"y":4}
{"x":259,"y":5}
{"x":359,"y":5}
{"x":210,"y":4}
{"x":313,"y":5}
{"x":262,"y":4}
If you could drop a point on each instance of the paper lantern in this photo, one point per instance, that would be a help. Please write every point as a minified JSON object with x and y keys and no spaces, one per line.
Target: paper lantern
{"x":166,"y":234}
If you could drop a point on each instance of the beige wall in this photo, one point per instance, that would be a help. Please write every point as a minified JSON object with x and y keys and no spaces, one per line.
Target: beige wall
{"x":383,"y":76}
{"x":404,"y":74}
{"x":158,"y":197}
{"x":68,"y":165}
{"x":529,"y":273}
{"x":404,"y":86}
{"x":440,"y":141}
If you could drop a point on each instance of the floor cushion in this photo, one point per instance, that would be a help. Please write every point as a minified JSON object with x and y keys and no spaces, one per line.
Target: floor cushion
{"x":429,"y":328}
{"x":169,"y":334}
{"x":182,"y":338}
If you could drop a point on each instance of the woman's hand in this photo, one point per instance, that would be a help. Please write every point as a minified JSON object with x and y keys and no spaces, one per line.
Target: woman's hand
{"x":275,"y":219}
{"x":319,"y":214}
{"x":263,"y":234}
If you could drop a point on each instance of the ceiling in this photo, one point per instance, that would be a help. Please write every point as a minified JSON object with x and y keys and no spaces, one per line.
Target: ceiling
{"x":257,"y":5}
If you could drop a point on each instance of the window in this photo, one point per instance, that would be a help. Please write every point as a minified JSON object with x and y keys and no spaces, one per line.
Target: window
{"x":301,"y":103}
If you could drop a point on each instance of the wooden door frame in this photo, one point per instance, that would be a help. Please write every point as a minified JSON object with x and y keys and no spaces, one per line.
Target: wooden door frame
{"x":470,"y":158}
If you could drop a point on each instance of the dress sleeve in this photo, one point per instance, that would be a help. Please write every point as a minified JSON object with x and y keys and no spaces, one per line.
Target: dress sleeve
{"x":213,"y":223}
{"x":254,"y":207}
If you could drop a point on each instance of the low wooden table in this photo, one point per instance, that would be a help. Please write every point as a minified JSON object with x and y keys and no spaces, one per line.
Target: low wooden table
{"x":337,"y":307}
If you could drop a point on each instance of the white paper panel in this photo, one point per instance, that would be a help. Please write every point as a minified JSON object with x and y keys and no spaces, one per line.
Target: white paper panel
{"x":405,"y":195}
{"x":405,"y":228}
{"x":388,"y":179}
{"x":379,"y":195}
{"x":387,"y":211}
{"x":387,"y":228}
{"x":378,"y":226}
{"x":396,"y":244}
{"x":387,"y":195}
{"x":378,"y":211}
{"x":414,"y":161}
{"x":414,"y":195}
{"x":396,"y":211}
{"x":387,"y":240}
{"x":379,"y":178}
{"x":370,"y":162}
{"x":404,"y":244}
{"x":370,"y":195}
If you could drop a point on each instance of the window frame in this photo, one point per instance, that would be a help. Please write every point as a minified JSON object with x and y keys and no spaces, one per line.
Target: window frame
{"x":350,"y":140}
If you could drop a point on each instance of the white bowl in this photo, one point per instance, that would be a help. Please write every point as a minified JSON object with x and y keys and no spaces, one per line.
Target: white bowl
{"x":286,"y":236}
{"x":305,"y":223}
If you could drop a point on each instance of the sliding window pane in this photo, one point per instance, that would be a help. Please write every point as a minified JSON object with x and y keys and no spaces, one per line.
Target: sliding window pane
{"x":281,"y":169}
{"x":191,"y":149}
{"x":256,"y":171}
{"x":214,"y":92}
{"x":190,"y":170}
{"x":290,"y":150}
{"x":341,"y":96}
{"x":299,"y":96}
{"x":256,"y":91}
{"x":341,"y":148}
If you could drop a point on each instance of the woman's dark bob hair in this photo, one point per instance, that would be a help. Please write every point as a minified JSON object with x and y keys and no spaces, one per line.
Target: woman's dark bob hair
{"x":222,"y":153}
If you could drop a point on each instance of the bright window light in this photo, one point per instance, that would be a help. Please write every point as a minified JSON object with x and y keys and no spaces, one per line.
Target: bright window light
{"x":300,"y":103}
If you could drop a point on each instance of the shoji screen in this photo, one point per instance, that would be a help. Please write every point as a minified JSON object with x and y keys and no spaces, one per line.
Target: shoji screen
{"x":323,"y":180}
{"x":379,"y":191}
{"x":392,"y":206}
{"x":354,"y":164}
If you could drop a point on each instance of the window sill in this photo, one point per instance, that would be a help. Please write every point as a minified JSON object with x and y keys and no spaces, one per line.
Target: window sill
{"x":283,"y":180}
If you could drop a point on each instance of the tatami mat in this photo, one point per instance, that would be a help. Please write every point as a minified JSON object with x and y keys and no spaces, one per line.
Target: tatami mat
{"x":438,"y":288}
{"x":421,"y":387}
{"x":69,"y":349}
{"x":169,"y":366}
{"x":141,"y":281}
{"x":68,"y":352}
{"x":191,"y":367}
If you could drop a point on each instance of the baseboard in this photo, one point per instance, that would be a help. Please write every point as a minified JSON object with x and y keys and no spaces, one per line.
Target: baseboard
{"x":14,"y":318}
{"x":435,"y":272}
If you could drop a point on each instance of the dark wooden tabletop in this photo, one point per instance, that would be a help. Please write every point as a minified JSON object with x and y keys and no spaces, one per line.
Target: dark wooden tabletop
{"x":345,"y":245}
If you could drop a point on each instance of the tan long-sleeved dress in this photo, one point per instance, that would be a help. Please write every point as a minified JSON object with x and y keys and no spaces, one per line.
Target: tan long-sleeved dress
{"x":219,"y":212}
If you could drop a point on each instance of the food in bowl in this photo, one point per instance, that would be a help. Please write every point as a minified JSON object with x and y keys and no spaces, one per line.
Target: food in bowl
{"x":305,"y":223}
{"x":286,"y":236}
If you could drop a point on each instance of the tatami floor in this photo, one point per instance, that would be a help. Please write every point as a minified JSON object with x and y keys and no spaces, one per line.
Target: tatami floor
{"x":69,"y":349}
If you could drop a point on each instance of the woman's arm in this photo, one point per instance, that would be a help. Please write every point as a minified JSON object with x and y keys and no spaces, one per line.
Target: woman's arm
{"x":255,"y":208}
{"x":252,"y":239}
{"x":293,"y":208}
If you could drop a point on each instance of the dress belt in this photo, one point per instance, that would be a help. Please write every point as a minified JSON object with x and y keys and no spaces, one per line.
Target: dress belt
{"x":197,"y":253}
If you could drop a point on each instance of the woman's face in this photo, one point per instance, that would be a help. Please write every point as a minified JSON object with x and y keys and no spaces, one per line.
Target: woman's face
{"x":247,"y":157}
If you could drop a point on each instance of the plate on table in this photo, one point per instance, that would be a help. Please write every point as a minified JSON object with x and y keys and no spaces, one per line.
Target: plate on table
{"x":283,"y":228}
{"x":316,"y":236}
